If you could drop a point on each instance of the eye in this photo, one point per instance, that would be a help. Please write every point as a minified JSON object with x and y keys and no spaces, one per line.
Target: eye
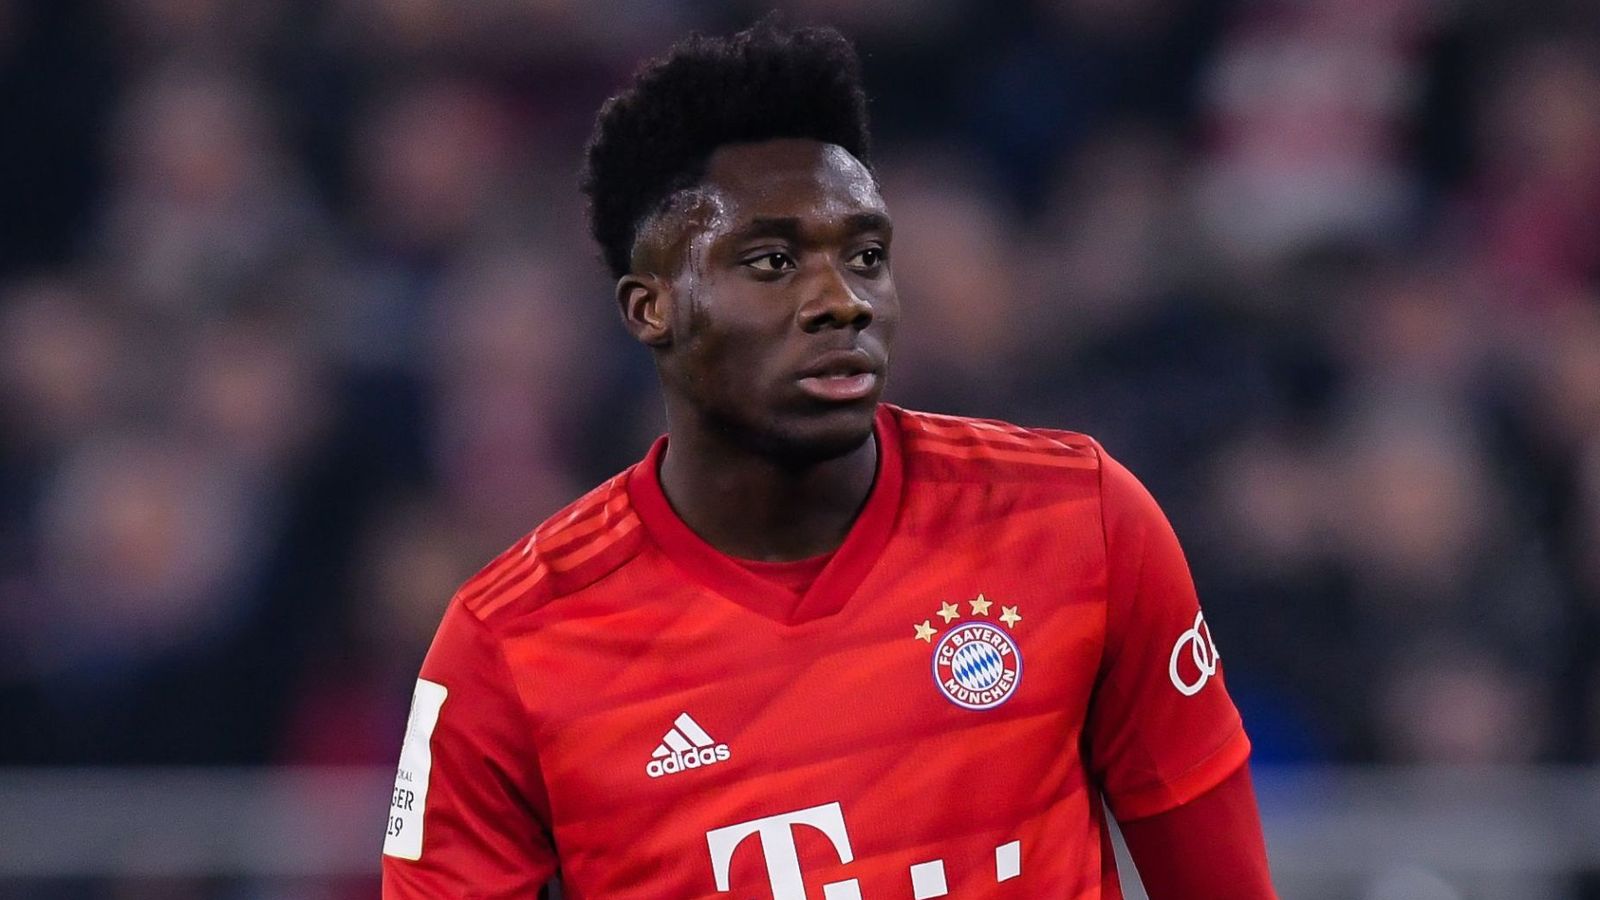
{"x":771,"y":262}
{"x":868,"y":258}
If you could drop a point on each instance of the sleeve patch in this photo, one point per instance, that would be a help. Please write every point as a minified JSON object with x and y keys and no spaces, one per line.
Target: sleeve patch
{"x":406,"y":806}
{"x":1190,"y":671}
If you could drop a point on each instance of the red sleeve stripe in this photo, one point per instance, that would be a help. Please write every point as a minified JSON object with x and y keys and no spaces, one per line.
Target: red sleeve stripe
{"x":983,"y":439}
{"x":949,"y":426}
{"x":529,"y":577}
{"x":592,"y":521}
{"x":578,"y":555}
{"x":587,"y":517}
{"x":492,"y":580}
{"x":975,"y":440}
{"x":597,"y":500}
{"x":993,"y":453}
{"x":485,"y":605}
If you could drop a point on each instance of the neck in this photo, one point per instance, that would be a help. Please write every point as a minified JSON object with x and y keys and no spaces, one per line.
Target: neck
{"x":752,"y":506}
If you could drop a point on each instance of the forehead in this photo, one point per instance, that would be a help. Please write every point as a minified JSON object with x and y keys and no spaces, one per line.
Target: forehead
{"x":789,"y":177}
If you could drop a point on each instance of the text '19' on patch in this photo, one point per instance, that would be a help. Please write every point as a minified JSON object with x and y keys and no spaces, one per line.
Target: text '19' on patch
{"x":404,"y":837}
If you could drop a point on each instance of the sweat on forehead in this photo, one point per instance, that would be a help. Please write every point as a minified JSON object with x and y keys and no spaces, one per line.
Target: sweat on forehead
{"x":661,"y":242}
{"x":743,"y":183}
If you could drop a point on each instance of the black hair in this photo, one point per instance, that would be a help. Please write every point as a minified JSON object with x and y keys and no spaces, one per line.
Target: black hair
{"x":654,"y":138}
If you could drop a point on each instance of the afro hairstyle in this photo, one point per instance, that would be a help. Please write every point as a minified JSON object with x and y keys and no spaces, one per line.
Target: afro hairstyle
{"x":655,"y":138}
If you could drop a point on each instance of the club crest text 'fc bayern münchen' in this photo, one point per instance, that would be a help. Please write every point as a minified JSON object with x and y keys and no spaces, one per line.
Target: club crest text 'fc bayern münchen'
{"x":976,"y":663}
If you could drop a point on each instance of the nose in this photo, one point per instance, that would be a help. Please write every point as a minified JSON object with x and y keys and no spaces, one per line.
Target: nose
{"x":833,"y":304}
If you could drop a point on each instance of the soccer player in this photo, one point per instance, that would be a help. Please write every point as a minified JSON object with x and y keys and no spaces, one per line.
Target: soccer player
{"x":813,"y":646}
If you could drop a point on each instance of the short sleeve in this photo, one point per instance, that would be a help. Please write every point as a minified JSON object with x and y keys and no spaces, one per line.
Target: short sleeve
{"x":469,"y":817}
{"x":1161,"y":729}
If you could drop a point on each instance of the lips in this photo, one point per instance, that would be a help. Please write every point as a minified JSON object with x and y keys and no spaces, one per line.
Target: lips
{"x":841,"y":376}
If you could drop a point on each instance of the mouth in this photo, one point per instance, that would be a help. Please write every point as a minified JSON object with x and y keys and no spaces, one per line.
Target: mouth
{"x":843,"y":376}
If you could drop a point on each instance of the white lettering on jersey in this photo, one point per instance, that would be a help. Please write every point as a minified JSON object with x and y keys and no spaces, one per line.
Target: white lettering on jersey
{"x":685,"y":746}
{"x":1008,"y":861}
{"x":1202,"y":650}
{"x":927,"y":880}
{"x":406,"y":806}
{"x":778,"y":848}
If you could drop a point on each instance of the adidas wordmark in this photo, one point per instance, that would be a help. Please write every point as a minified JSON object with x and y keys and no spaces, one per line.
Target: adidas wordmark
{"x":685,"y":746}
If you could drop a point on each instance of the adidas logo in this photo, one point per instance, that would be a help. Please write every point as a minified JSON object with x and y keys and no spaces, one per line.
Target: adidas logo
{"x":686,"y":746}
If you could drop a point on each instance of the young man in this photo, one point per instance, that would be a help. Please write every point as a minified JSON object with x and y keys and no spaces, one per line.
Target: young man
{"x":813,"y":646}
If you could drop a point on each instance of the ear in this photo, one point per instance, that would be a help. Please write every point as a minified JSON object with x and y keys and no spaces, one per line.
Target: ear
{"x":645,"y":302}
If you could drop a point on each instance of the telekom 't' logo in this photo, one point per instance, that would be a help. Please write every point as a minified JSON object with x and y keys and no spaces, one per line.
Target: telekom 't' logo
{"x":783,"y":860}
{"x":776,"y":834}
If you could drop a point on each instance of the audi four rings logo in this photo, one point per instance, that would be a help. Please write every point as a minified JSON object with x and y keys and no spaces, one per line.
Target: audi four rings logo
{"x":1202,"y":651}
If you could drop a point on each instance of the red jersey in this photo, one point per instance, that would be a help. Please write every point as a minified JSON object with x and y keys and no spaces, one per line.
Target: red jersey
{"x":1008,"y":632}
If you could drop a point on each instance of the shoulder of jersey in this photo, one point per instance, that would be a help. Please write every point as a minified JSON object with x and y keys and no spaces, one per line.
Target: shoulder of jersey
{"x":571,"y":550}
{"x":957,"y":447}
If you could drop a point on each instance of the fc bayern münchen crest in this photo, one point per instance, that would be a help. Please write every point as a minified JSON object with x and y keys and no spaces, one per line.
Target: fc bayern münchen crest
{"x":976,"y":664}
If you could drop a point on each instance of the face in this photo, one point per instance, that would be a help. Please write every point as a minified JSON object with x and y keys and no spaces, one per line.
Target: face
{"x":775,"y":312}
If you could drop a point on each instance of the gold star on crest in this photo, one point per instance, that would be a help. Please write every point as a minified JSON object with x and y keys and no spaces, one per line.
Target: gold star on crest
{"x":948,"y":611}
{"x":926,"y":631}
{"x":980,"y":606}
{"x":1008,"y":615}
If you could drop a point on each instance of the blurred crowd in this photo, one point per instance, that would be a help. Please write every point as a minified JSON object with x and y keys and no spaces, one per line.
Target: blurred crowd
{"x":299,"y":325}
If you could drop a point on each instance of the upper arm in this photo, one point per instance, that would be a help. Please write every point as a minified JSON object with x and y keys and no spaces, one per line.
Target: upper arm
{"x":1162,"y":729}
{"x":469,"y":816}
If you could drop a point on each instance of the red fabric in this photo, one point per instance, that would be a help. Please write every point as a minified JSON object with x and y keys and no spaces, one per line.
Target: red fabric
{"x":589,"y":663}
{"x":1210,"y":847}
{"x":796,"y":577}
{"x":1154,"y":633}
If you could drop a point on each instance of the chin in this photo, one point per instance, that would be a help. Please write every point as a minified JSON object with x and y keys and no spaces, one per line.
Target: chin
{"x":814,"y":438}
{"x":809,"y":436}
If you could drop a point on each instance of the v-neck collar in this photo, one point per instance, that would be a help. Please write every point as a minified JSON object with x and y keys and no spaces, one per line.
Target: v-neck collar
{"x":724,"y":575}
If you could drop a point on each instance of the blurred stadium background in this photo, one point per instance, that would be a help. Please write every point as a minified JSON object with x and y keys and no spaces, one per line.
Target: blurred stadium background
{"x":299,"y":325}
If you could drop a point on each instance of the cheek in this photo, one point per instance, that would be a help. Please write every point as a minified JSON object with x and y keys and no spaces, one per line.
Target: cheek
{"x":889,"y":304}
{"x":732,"y":346}
{"x":886,"y":312}
{"x":743,"y":319}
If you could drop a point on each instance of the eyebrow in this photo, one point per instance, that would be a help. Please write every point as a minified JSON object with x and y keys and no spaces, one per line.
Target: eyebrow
{"x":788,"y":227}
